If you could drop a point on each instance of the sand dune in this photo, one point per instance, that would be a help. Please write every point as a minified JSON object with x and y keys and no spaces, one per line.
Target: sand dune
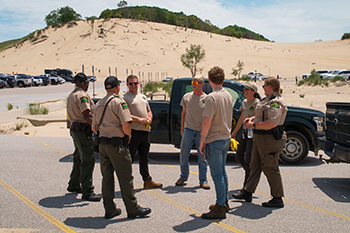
{"x":153,"y":50}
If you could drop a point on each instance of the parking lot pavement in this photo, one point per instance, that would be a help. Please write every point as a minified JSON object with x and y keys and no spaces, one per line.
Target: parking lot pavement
{"x":35,"y":172}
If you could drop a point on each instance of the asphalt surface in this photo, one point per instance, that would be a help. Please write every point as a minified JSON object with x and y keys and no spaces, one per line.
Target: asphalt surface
{"x":33,"y":197}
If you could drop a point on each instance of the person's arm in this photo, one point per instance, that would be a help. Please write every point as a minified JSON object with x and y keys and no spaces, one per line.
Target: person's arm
{"x":127,"y":129}
{"x":88,"y":116}
{"x":205,"y":129}
{"x":149,"y":118}
{"x":238,"y":126}
{"x":264,"y":125}
{"x":183,"y":115}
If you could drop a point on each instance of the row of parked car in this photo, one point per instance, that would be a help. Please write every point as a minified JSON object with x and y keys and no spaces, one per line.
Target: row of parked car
{"x":345,"y":73}
{"x":23,"y":80}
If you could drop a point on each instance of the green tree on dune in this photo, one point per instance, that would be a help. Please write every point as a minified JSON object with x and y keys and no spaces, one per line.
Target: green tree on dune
{"x":192,"y":57}
{"x":60,"y":17}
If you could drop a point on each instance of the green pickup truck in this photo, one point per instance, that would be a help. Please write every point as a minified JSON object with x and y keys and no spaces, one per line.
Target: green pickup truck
{"x":336,"y":143}
{"x":304,"y":126}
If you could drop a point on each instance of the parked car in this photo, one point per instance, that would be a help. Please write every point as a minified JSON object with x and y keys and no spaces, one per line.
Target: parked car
{"x":258,"y":76}
{"x":343,"y":73}
{"x":53,"y":79}
{"x":328,"y":74}
{"x":36,"y":81}
{"x":321,"y":72}
{"x":10,"y":81}
{"x":92,"y":78}
{"x":46,"y":80}
{"x":168,"y":79}
{"x":22,"y":80}
{"x":3,"y":84}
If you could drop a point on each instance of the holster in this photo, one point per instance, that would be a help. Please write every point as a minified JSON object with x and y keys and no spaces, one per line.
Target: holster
{"x":278,"y":132}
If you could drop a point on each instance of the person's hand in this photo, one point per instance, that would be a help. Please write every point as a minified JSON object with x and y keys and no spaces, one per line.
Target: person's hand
{"x":249,"y":125}
{"x":201,"y":148}
{"x":233,"y":135}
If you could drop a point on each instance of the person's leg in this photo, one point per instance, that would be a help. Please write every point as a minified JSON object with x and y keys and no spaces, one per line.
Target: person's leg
{"x":108,"y":188}
{"x":143,"y":150}
{"x":74,"y":181}
{"x":87,"y":164}
{"x":123,"y":167}
{"x":216,"y":153}
{"x":240,"y":153}
{"x":255,"y":168}
{"x":134,"y":144}
{"x":185,"y":150}
{"x":202,"y":162}
{"x":247,"y":159}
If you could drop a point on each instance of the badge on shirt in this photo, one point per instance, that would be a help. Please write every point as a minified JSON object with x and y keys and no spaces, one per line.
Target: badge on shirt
{"x":143,"y":97}
{"x":274,"y":105}
{"x":84,"y":99}
{"x":124,"y":105}
{"x":203,"y":101}
{"x":252,"y":108}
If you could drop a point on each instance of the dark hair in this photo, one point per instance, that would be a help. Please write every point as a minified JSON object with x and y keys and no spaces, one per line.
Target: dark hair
{"x":130,"y":77}
{"x":274,"y":83}
{"x":257,"y":95}
{"x":216,"y":75}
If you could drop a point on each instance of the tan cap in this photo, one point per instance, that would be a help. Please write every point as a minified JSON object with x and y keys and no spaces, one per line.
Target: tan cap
{"x":250,"y":86}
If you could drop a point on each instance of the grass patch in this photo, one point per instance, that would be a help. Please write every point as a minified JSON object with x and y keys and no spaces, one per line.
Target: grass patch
{"x":152,"y":87}
{"x":338,"y":78}
{"x":302,"y":95}
{"x":36,"y":109}
{"x":20,"y":125}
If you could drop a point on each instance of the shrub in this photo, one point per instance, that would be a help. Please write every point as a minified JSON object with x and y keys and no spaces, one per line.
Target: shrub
{"x":302,"y":95}
{"x":36,"y":109}
{"x":338,"y":78}
{"x":20,"y":125}
{"x":301,"y":82}
{"x":345,"y":36}
{"x":9,"y":106}
{"x":244,"y":78}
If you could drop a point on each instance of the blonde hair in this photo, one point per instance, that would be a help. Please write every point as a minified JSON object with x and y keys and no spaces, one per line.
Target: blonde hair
{"x":199,"y":77}
{"x":275,"y":84}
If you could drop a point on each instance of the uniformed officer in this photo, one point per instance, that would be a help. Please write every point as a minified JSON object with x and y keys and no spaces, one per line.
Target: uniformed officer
{"x":269,"y":139}
{"x":140,"y":129}
{"x":115,"y":134}
{"x":79,"y":108}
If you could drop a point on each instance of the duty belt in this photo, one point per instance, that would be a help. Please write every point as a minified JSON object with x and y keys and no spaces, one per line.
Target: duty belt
{"x":259,"y":131}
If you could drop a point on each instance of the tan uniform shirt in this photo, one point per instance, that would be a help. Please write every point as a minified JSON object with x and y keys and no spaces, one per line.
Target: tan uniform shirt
{"x":117,"y":113}
{"x":138,"y":106}
{"x":274,"y":110}
{"x":218,"y":107}
{"x":77,"y":102}
{"x":194,"y":105}
{"x":248,"y":109}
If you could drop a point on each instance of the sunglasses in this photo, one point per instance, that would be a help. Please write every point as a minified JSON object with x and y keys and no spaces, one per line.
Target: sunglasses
{"x":134,"y":83}
{"x":195,"y":83}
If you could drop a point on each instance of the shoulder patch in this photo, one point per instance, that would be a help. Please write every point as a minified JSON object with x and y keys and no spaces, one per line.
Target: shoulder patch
{"x":144,"y":97}
{"x":84,"y":99}
{"x":251,"y":108}
{"x":274,"y":105}
{"x":203,"y":101}
{"x":124,"y":105}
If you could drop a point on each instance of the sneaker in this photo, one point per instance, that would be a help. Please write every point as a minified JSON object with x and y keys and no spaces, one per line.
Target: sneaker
{"x":142,"y":212}
{"x":91,"y":197}
{"x":150,"y":184}
{"x":116,"y":212}
{"x":205,"y":185}
{"x":274,"y":202}
{"x":247,"y":196}
{"x":180,"y":182}
{"x":217,"y":212}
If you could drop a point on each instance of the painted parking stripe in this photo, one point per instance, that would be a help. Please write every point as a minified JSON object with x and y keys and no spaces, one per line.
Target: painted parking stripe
{"x":37,"y":208}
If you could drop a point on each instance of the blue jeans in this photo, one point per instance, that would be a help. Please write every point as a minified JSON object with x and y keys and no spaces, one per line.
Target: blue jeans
{"x":189,"y":137}
{"x":216,"y":153}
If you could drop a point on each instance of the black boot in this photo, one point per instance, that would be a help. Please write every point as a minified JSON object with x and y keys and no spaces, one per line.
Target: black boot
{"x":216,"y":212}
{"x":247,"y":196}
{"x":276,"y":202}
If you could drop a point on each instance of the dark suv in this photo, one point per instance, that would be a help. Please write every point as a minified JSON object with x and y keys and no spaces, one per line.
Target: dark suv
{"x":10,"y":81}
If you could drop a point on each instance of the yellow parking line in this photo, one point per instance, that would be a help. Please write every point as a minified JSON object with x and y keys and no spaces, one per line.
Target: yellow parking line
{"x":36,"y":208}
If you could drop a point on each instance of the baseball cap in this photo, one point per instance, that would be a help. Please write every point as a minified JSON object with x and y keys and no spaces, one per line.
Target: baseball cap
{"x":250,"y":86}
{"x":111,"y":82}
{"x":80,"y":77}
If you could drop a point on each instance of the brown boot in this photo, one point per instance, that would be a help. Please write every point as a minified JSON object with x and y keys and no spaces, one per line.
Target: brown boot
{"x":150,"y":184}
{"x":227,"y":207}
{"x":217,"y":212}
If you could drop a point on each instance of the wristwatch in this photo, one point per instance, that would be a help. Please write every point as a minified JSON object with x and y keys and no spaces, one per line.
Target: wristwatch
{"x":254,"y":125}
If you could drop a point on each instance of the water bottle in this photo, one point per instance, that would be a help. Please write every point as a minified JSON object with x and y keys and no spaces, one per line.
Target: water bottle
{"x":250,"y":133}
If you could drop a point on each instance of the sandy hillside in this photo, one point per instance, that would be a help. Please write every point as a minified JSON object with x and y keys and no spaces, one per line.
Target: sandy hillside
{"x":153,"y":51}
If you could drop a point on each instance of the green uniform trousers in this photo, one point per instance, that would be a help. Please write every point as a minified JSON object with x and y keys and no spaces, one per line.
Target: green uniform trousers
{"x":83,"y":162}
{"x":111,"y":160}
{"x":265,"y":157}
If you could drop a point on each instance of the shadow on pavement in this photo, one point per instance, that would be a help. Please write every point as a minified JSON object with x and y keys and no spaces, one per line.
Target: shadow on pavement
{"x":67,"y":201}
{"x":250,"y":210}
{"x":336,"y":188}
{"x":93,"y":222}
{"x":192,"y":225}
{"x":180,"y":189}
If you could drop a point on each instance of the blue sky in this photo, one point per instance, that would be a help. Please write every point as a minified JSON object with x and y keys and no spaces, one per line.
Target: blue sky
{"x":285,"y":21}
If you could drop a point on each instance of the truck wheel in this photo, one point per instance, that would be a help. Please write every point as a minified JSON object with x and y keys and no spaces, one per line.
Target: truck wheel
{"x":296,"y":148}
{"x":20,"y":84}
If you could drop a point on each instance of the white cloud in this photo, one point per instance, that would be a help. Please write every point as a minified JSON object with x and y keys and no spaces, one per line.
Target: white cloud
{"x":281,"y":21}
